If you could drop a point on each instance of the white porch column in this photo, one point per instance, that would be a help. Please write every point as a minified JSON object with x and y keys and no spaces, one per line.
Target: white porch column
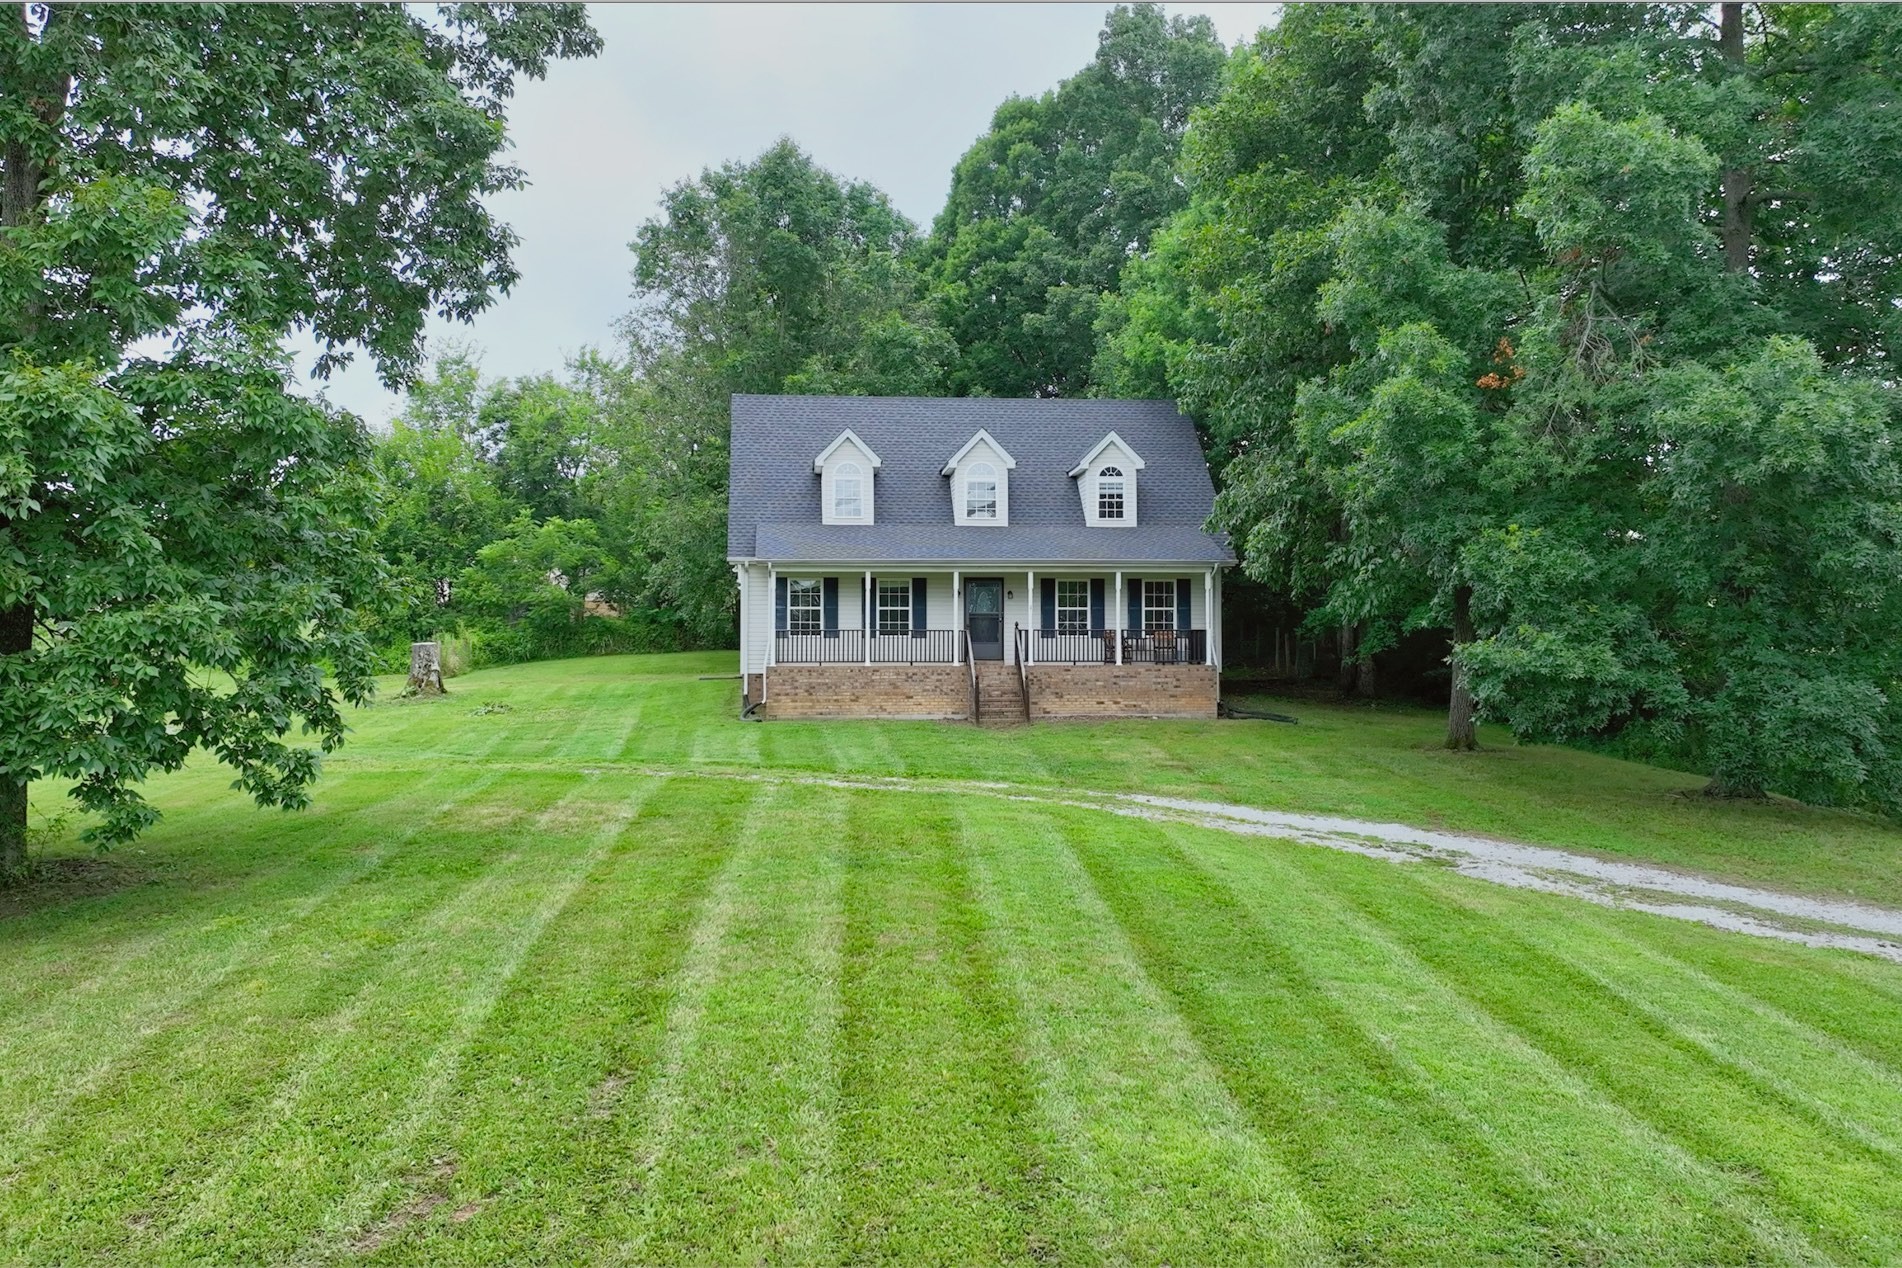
{"x":957,"y":617}
{"x":772,"y":599}
{"x":1208,"y":616}
{"x":1030,"y":600}
{"x":870,"y":615}
{"x":1117,"y":602}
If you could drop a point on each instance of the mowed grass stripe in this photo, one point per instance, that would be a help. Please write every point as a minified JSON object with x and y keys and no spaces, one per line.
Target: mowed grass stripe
{"x":938,"y":1147}
{"x":745,"y":1167}
{"x":74,"y":1042}
{"x":131,"y":1151}
{"x":1855,"y":1000}
{"x":1607,"y":1186}
{"x":1832,"y":1191}
{"x":195,"y":858}
{"x":1389,"y":1170}
{"x":1842,"y":1091}
{"x":377,"y":1062}
{"x":535,"y":1145}
{"x":1163,"y":1165}
{"x":414,"y":1140}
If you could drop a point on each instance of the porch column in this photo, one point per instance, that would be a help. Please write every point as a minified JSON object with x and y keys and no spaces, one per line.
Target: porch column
{"x":1030,"y":602}
{"x":1117,"y":601}
{"x":957,"y":626}
{"x":870,"y":616}
{"x":1208,"y":616}
{"x":772,"y":596}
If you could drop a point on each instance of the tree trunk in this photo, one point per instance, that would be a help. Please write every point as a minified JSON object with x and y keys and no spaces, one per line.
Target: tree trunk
{"x":16,"y":638}
{"x":1344,"y":677}
{"x":1462,"y":732}
{"x":1738,"y":185}
{"x":1364,"y":678}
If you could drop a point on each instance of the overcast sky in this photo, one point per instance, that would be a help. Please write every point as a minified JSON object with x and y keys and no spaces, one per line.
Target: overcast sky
{"x":893,"y":94}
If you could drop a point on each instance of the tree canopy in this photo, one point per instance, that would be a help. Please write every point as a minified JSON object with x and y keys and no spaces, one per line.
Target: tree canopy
{"x":184,"y":541}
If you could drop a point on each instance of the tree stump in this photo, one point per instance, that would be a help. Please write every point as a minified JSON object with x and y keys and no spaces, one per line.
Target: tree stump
{"x":425,"y":670}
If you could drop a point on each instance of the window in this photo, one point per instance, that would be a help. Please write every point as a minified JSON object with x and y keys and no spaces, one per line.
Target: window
{"x":1073,"y":607}
{"x":1159,"y":606}
{"x":980,"y":492}
{"x":894,"y":607}
{"x":805,"y":613}
{"x":848,"y":492}
{"x":1109,"y":493}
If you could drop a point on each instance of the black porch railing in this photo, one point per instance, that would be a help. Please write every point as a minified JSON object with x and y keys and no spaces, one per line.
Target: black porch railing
{"x":1098,"y":647}
{"x":845,"y":647}
{"x":920,"y":647}
{"x":1073,"y":647}
{"x":1166,"y":647}
{"x":848,"y":647}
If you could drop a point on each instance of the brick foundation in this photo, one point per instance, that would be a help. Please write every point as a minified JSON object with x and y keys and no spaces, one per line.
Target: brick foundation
{"x":865,"y":691}
{"x":1123,"y":691}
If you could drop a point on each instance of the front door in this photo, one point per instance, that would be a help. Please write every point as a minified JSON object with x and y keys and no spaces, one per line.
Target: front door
{"x":984,"y":617}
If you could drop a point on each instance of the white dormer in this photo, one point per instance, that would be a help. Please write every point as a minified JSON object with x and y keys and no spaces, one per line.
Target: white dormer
{"x":1106,"y":481}
{"x":980,"y":482}
{"x":845,"y":469}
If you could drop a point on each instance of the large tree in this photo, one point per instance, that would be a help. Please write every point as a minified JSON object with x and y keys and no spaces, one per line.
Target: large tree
{"x":1049,"y":204}
{"x":772,"y":275}
{"x":1600,"y":476}
{"x":183,"y":539}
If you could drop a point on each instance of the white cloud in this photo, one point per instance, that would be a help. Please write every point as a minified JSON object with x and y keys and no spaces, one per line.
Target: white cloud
{"x":893,"y":94}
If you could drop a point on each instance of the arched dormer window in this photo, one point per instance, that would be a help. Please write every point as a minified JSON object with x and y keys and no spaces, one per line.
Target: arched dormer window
{"x":1109,"y":493}
{"x":980,"y":492}
{"x":848,"y":491}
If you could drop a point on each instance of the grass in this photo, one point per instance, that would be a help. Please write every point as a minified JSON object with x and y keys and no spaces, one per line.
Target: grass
{"x":535,"y":984}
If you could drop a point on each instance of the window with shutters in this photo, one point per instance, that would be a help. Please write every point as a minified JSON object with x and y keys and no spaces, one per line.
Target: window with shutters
{"x":894,"y":607}
{"x":805,"y":611}
{"x":1159,"y":606}
{"x":1073,"y":607}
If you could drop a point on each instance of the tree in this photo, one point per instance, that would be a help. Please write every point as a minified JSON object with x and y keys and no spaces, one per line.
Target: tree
{"x":1047,"y":207}
{"x":768,"y":276}
{"x":183,"y":540}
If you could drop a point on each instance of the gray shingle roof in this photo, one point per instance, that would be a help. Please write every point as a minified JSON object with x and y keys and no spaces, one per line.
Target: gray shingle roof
{"x":773,"y":509}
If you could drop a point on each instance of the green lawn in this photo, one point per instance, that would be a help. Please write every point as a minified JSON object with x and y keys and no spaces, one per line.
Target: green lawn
{"x":528,"y":984}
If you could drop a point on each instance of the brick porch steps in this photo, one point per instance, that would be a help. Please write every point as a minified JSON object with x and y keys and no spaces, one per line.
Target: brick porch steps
{"x":1000,"y":694}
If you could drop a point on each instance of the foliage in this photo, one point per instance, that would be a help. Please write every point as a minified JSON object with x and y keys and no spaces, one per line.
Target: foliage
{"x":1047,"y":207}
{"x":1510,"y":319}
{"x":169,"y":512}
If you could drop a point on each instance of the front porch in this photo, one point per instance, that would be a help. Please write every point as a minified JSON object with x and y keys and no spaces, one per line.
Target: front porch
{"x":1066,"y":642}
{"x":1066,"y":616}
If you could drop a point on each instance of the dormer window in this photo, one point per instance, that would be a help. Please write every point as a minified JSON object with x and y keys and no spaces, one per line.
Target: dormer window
{"x":846,"y":469}
{"x":980,"y":482}
{"x":1106,"y":483}
{"x":980,"y":492}
{"x":848,"y":492}
{"x":1109,"y":493}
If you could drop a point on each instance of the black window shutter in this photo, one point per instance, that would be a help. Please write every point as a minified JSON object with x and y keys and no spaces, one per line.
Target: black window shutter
{"x":831,"y":601}
{"x":1049,"y":603}
{"x":1182,"y":603}
{"x":918,"y":606}
{"x":1096,"y":605}
{"x":779,"y":607}
{"x":1135,"y":606}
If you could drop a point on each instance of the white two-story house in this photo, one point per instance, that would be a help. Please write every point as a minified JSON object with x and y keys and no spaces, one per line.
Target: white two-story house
{"x":973,"y":558}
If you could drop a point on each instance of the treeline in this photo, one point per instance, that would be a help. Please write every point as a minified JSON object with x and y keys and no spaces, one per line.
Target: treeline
{"x":1564,"y":333}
